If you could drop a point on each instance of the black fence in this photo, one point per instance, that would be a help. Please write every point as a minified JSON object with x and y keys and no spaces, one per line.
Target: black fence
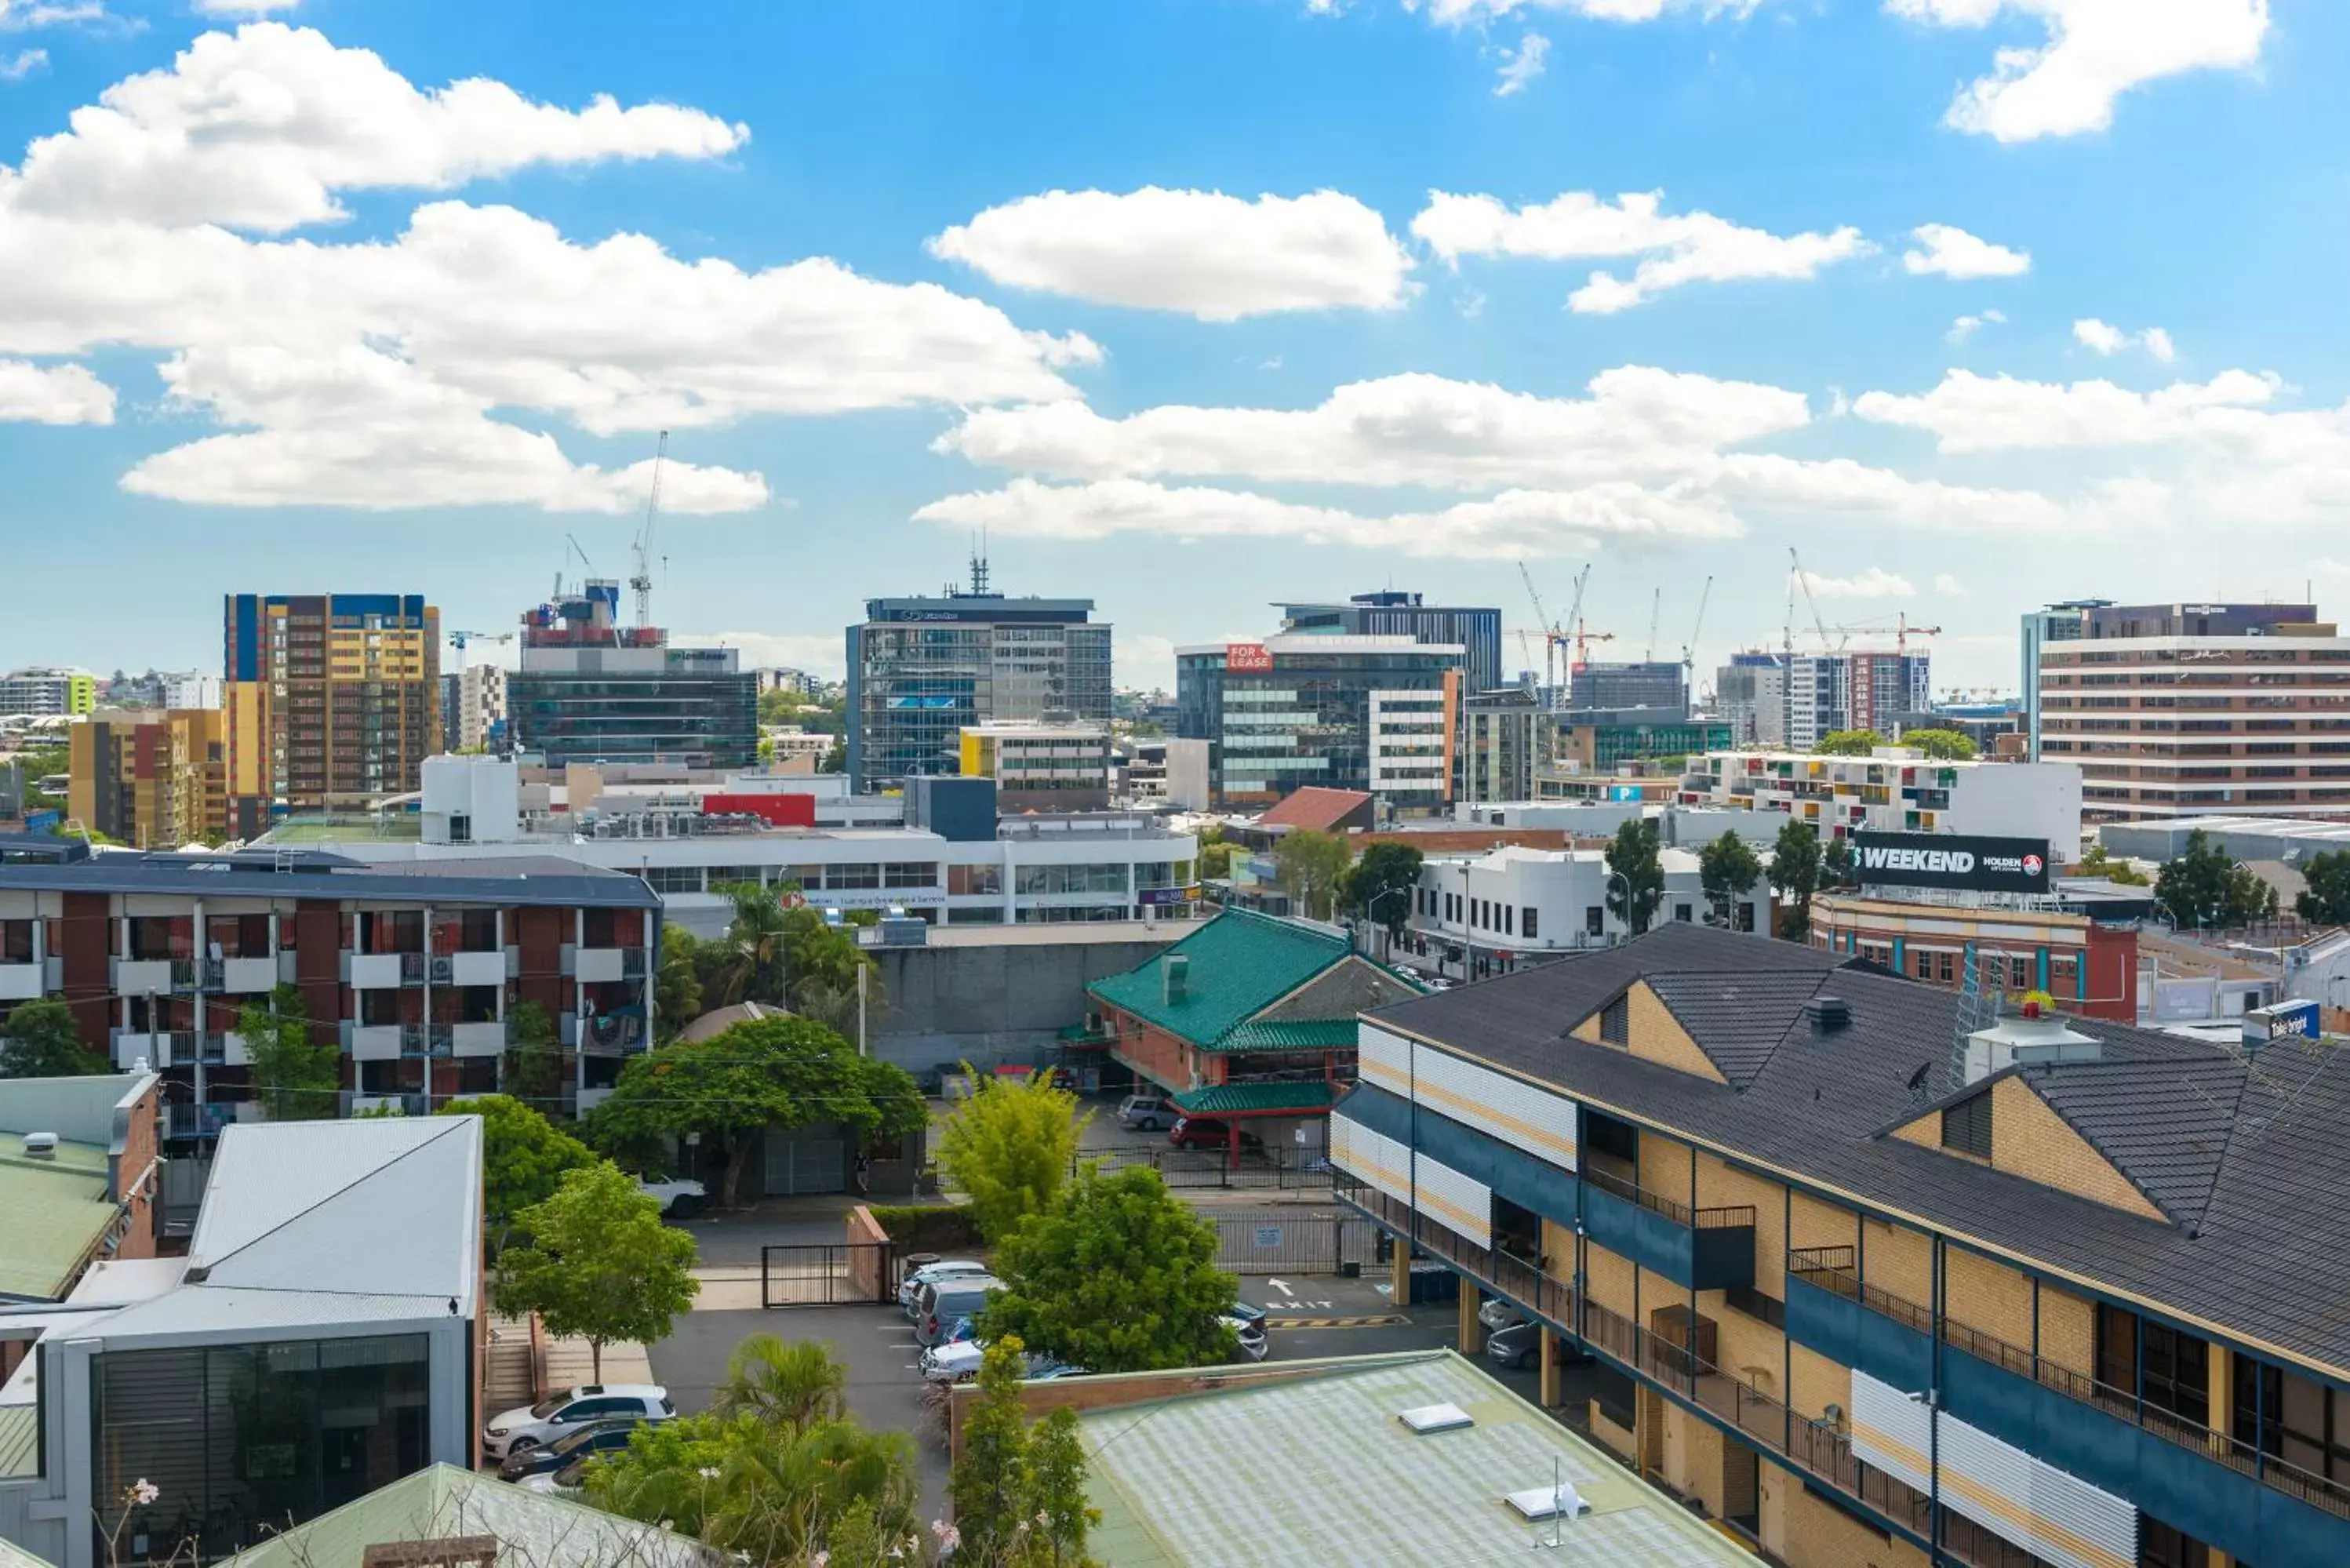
{"x":1283,"y":1169}
{"x":838,"y":1274}
{"x":1295,"y":1242}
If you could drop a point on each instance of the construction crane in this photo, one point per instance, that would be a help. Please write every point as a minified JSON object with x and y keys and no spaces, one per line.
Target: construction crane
{"x":1803,"y":581}
{"x":1549,"y":631}
{"x":1903,"y":631}
{"x":1688,"y":648}
{"x":460,"y":640}
{"x":1656,"y":610}
{"x":641,"y":579}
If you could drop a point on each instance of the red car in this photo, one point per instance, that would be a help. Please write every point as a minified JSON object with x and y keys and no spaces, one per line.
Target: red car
{"x":1207,"y":1132}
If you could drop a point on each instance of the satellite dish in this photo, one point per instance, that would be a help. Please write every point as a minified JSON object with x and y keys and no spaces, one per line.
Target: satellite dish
{"x":1917,"y":1078}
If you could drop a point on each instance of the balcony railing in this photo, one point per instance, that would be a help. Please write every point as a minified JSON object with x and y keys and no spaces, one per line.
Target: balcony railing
{"x":1831,"y":1268}
{"x":1820,"y":1450}
{"x":1723,"y":1218}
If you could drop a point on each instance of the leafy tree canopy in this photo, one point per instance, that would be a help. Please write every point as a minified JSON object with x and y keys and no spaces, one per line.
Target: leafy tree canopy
{"x":1849,"y":742}
{"x":1727,"y":870}
{"x":2326,"y":901}
{"x":783,"y":1073}
{"x":1010,"y":1146}
{"x":532,"y":1068}
{"x":1795,"y":873}
{"x":43,"y":1041}
{"x":525,"y":1158}
{"x":2095,"y":862}
{"x":1635,"y":855}
{"x":298,"y":1065}
{"x":1310,"y":865}
{"x":599,"y":1264}
{"x":1120,"y":1276}
{"x":1941,"y":746}
{"x":2204,"y":888}
{"x":1019,"y":1492}
{"x":1381,"y":885}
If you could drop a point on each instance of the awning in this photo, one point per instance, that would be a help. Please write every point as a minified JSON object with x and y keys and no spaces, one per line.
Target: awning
{"x":1302,"y":1098}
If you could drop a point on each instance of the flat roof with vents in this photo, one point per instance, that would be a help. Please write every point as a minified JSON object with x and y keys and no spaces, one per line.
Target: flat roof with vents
{"x":1322,"y":1468}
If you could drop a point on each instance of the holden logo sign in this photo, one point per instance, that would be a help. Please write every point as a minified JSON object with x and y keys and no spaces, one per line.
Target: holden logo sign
{"x":2033,"y":865}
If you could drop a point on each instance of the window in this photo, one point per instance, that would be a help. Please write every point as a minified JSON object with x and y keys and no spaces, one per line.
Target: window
{"x":1616,"y":1022}
{"x":1509,"y":920}
{"x":1595,"y":921}
{"x":1683,"y":913}
{"x":2162,"y":1545}
{"x":970,"y":880}
{"x":1966,"y":1126}
{"x":1526,"y":920}
{"x":910,"y":873}
{"x":838,"y":879}
{"x":2169,"y":1370}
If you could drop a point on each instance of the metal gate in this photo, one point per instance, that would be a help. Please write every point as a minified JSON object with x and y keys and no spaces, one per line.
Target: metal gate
{"x":1293,"y":1242}
{"x":796,"y":1166}
{"x":837,"y":1273}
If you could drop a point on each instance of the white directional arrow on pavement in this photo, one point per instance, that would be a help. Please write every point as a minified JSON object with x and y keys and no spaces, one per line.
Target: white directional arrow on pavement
{"x":1278,"y":1287}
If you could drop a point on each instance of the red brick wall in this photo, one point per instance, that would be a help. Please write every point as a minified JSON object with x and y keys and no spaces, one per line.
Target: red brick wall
{"x":540,"y":933}
{"x":138,"y":1148}
{"x":82,"y":946}
{"x":2112,"y":976}
{"x":1153,"y":1052}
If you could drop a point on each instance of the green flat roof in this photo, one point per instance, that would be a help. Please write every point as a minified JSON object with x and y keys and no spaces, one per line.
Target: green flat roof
{"x":1240,"y":963}
{"x":1258,"y":1099}
{"x":57,"y":1210}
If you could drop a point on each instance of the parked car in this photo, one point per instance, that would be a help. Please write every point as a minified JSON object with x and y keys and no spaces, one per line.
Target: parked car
{"x":1520,"y":1345}
{"x":603,"y":1437}
{"x":1144,"y":1113}
{"x":678,"y":1196}
{"x":910,"y":1288}
{"x":1207,"y":1132}
{"x":1251,"y":1336}
{"x":569,"y":1482}
{"x":1246,"y":1313}
{"x":591,"y":1404}
{"x":1497,"y":1314}
{"x":958,"y":1361}
{"x":943,"y":1301}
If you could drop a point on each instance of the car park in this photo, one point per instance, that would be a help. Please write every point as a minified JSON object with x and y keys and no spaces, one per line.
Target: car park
{"x":603,"y":1437}
{"x":958,"y":1361}
{"x":1251,"y":1336}
{"x":1207,"y":1132}
{"x":592,"y":1404}
{"x":910,"y":1288}
{"x":943,"y":1301}
{"x":1144,"y":1113}
{"x":1498,"y":1313}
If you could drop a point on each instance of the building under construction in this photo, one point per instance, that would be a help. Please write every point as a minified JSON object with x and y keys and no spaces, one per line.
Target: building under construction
{"x":590,"y":689}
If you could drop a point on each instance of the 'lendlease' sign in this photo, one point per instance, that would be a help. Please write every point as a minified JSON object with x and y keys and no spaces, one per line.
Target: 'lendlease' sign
{"x":1952,"y":860}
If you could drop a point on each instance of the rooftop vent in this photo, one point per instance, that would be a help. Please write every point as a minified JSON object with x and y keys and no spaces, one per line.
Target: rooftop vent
{"x":1178,"y":976}
{"x":1558,"y":1501}
{"x":2029,"y":1039}
{"x":1826,"y":1013}
{"x":40,"y":1146}
{"x":1427,"y":1419}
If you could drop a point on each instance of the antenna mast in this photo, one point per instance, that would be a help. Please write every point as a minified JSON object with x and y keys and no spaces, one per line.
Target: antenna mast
{"x":641,"y":579}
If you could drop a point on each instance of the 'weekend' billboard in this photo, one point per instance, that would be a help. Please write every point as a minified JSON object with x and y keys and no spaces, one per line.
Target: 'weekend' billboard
{"x":1950,"y":860}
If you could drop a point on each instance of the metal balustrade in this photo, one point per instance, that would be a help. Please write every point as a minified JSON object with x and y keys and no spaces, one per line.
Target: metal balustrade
{"x":1725,"y":1217}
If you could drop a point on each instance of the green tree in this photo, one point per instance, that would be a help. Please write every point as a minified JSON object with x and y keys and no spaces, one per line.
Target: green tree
{"x":1636,"y":866}
{"x":769,"y":1491}
{"x":793,"y":1382}
{"x":2095,"y":862}
{"x":1057,"y":1486}
{"x":2206,"y":888}
{"x":1010,"y":1146}
{"x":1941,"y":746}
{"x":1120,"y":1276}
{"x":1836,"y":869}
{"x":1848,"y":743}
{"x":1309,"y":865}
{"x":1795,"y":873}
{"x":532,"y":1068}
{"x":677,"y":984}
{"x":599,"y":1265}
{"x":1019,"y":1492}
{"x":778,"y":1072}
{"x":44,"y":1041}
{"x":298,"y":1065}
{"x":1727,"y":870}
{"x":1381,"y":886}
{"x":525,"y":1158}
{"x":2326,"y":901}
{"x":757,"y":947}
{"x":1215,"y":854}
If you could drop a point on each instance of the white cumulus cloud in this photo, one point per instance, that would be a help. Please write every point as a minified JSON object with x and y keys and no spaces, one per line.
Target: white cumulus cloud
{"x":16,"y":67}
{"x":1674,"y":248}
{"x":1202,"y":253}
{"x":1875,"y":583}
{"x":1946,"y":583}
{"x":1966,"y":327}
{"x":2096,"y":50}
{"x":2103,"y":338}
{"x":1400,"y":430}
{"x":54,"y":394}
{"x":1968,"y":412}
{"x":1453,"y":13}
{"x":1520,"y":66}
{"x":1948,"y":252}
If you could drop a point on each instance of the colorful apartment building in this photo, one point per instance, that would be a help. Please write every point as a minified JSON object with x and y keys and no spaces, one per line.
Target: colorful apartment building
{"x":414,"y":969}
{"x":152,"y":778}
{"x":47,"y":691}
{"x":332,"y":701}
{"x":1894,"y":790}
{"x":1871,"y":1285}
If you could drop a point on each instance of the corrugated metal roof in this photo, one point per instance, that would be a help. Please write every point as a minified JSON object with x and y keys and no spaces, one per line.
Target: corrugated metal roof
{"x":206,"y":1309}
{"x":55,"y":1211}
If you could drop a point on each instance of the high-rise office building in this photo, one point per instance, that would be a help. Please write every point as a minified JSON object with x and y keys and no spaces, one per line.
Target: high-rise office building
{"x":2055,"y":623}
{"x":1391,"y":613}
{"x":1655,"y":683}
{"x":1376,"y":713}
{"x":152,"y":778}
{"x":590,"y":689}
{"x":332,"y":701}
{"x":2195,"y":709}
{"x":923,"y":670}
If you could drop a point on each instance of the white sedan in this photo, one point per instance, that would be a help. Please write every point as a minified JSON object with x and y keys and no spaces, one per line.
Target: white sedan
{"x":667,"y":1190}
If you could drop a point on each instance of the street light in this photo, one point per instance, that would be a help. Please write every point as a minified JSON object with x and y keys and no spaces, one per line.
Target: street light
{"x":1371,"y":904}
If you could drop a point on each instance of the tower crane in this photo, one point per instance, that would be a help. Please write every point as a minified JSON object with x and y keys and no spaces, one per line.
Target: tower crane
{"x":460,"y":640}
{"x":1688,"y":648}
{"x":642,"y":578}
{"x":1819,"y":621}
{"x":1655,"y":609}
{"x":1549,"y":631}
{"x":1584,"y":636}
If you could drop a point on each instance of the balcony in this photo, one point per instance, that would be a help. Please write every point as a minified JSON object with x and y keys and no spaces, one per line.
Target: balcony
{"x":244,"y":976}
{"x":157,"y":1050}
{"x":380,"y":1041}
{"x":2104,"y":1434}
{"x":1707,"y":1249}
{"x":474,"y":969}
{"x":488,"y":1039}
{"x":22,"y":982}
{"x":149,"y":977}
{"x":381,"y":971}
{"x":593,"y":964}
{"x":1818,"y":1450}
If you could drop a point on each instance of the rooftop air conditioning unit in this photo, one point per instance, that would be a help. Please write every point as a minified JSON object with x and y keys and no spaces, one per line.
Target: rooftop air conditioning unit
{"x":41,"y":1145}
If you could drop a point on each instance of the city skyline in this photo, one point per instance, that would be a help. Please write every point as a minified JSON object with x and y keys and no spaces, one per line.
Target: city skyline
{"x":1225,"y":304}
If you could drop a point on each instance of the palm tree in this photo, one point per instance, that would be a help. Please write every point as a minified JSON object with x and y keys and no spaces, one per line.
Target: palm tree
{"x":781,"y":1489}
{"x":783,"y":1382}
{"x":758,"y":946}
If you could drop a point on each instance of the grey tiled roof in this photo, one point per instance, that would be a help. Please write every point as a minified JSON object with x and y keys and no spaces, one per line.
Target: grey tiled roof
{"x":2250,"y":1162}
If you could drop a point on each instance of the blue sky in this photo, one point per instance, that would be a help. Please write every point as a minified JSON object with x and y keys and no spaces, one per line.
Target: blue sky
{"x":223,"y":368}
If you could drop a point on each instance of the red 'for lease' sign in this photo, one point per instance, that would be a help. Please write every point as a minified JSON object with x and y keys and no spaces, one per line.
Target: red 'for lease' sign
{"x":1250,"y":655}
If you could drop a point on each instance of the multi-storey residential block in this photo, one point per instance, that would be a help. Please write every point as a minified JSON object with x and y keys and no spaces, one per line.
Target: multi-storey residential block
{"x":1041,"y":767}
{"x":332,"y":701}
{"x":1506,"y":738}
{"x":1393,"y":613}
{"x":474,"y":709}
{"x":151,"y":778}
{"x":589,"y":690}
{"x":1751,"y":697}
{"x":47,"y":692}
{"x":1375,"y":713}
{"x":413,"y":967}
{"x":1870,"y":1282}
{"x":1896,"y":790}
{"x":2200,"y":710}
